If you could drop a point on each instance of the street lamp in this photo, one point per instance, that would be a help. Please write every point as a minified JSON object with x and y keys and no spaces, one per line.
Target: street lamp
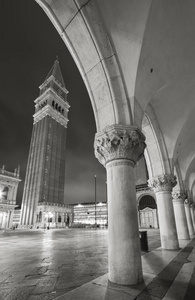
{"x":107,"y":202}
{"x":1,"y":194}
{"x":95,"y":203}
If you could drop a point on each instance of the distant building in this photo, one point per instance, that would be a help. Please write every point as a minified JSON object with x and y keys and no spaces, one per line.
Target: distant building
{"x":90,"y":214}
{"x":8,"y":190}
{"x":43,"y":197}
{"x":16,"y":217}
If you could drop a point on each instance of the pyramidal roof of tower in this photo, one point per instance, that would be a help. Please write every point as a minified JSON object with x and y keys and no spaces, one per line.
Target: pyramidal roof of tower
{"x":56,"y":73}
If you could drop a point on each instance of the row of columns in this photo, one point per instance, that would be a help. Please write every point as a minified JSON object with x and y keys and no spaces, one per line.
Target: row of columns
{"x":118,"y":148}
{"x":6,"y":219}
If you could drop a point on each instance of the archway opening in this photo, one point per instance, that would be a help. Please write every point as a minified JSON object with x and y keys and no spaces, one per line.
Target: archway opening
{"x":148,"y":212}
{"x":147,"y":201}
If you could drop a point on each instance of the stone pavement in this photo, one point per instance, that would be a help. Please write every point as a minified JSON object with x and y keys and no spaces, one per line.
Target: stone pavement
{"x":68,"y":264}
{"x":168,"y":275}
{"x":37,"y":264}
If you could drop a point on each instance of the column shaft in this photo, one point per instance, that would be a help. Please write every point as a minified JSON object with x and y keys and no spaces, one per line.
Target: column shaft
{"x":162,"y":186}
{"x":189,"y":219}
{"x":124,"y":245}
{"x":118,"y":148}
{"x":192,"y":215}
{"x":180,"y":219}
{"x":168,"y":232}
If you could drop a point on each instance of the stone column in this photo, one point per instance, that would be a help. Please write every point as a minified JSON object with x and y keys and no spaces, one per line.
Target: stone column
{"x":118,"y":148}
{"x":162,"y":186}
{"x":180,"y":215}
{"x":11,"y":215}
{"x":187,"y":204}
{"x":192,"y":215}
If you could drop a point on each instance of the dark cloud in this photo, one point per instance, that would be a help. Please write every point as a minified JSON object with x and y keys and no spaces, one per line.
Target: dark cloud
{"x":29,"y":46}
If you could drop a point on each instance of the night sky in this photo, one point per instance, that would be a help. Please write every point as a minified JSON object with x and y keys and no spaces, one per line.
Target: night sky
{"x":29,"y":45}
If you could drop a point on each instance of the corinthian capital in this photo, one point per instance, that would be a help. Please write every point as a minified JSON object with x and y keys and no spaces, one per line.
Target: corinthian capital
{"x":179,"y":195}
{"x":188,"y":201}
{"x":162,"y":183}
{"x":119,"y":142}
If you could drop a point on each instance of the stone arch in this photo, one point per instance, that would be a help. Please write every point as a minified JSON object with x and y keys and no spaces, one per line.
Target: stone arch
{"x":146,"y":193}
{"x":147,"y":213}
{"x":82,"y":29}
{"x":156,"y":154}
{"x":147,"y":201}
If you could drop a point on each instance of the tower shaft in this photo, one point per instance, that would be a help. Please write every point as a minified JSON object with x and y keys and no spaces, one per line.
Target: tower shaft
{"x":45,"y":175}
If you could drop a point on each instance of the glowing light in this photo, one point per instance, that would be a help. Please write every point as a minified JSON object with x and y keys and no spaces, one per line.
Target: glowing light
{"x":1,"y":193}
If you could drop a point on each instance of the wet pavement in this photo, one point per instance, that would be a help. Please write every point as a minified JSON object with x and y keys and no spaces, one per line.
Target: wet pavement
{"x":38,"y":264}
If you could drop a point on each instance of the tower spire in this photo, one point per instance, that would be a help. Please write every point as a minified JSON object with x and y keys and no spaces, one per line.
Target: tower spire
{"x":56,"y":73}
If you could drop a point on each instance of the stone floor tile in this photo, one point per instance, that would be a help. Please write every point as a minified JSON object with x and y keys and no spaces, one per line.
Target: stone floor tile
{"x":80,"y":255}
{"x":5,"y":292}
{"x":94,"y":292}
{"x":19,"y":293}
{"x":147,"y":296}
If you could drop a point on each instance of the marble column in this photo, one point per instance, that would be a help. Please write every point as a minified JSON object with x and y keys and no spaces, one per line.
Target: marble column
{"x":118,"y":148}
{"x":192,"y":214}
{"x":162,"y":186}
{"x":11,"y":215}
{"x":180,"y":215}
{"x":187,"y":204}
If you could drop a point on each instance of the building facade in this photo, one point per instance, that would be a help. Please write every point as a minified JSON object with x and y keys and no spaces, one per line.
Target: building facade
{"x":90,"y":214}
{"x":45,"y":175}
{"x":8,"y":190}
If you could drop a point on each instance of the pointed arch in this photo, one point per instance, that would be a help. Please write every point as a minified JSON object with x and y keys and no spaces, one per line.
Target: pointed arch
{"x":156,"y":155}
{"x":82,"y":29}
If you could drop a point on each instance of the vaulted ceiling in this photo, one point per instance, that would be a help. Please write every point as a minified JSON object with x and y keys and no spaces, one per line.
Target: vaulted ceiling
{"x":153,"y":45}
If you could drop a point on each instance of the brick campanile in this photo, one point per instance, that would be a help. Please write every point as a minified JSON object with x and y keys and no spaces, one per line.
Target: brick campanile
{"x":45,"y":175}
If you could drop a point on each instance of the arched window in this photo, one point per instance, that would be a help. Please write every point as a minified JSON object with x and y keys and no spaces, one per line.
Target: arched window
{"x":147,"y":201}
{"x":4,"y":193}
{"x":40,"y":216}
{"x":56,"y":106}
{"x":53,"y":103}
{"x":59,"y":219}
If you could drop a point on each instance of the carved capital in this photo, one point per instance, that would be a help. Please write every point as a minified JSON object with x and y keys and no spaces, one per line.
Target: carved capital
{"x":188,"y":201}
{"x":162,"y":183}
{"x":119,"y":142}
{"x":178,"y":196}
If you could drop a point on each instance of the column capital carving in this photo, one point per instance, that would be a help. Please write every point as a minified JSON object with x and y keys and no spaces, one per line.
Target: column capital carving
{"x":162,"y":182}
{"x":119,"y":142}
{"x":188,"y":201}
{"x":179,"y":196}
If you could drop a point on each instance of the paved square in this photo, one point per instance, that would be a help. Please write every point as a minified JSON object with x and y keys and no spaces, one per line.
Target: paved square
{"x":38,"y":264}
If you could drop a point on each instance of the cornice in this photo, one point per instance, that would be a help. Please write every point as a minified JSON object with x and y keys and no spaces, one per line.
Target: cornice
{"x":54,"y":114}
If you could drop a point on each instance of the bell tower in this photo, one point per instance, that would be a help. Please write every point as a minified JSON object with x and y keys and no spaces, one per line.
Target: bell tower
{"x":45,"y":175}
